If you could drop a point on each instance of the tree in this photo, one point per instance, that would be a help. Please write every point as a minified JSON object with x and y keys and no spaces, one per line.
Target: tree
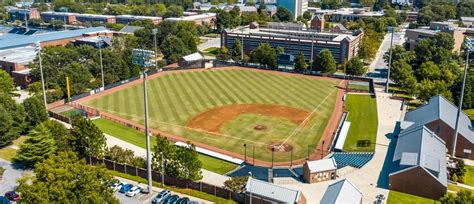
{"x":12,"y":119}
{"x":38,"y":147}
{"x":62,"y":136}
{"x":6,"y":83}
{"x":87,"y":138}
{"x":63,"y":178}
{"x":428,"y":70}
{"x":173,"y":48}
{"x":237,"y":51}
{"x":355,"y":67}
{"x":403,"y":74}
{"x":36,"y":111}
{"x":182,"y":162}
{"x":426,"y":89}
{"x":265,"y":55}
{"x":284,"y":14}
{"x":455,"y":178}
{"x":300,"y":63}
{"x":236,"y":184}
{"x":6,"y":125}
{"x":325,"y":62}
{"x":463,"y":196}
{"x":369,"y":46}
{"x":174,"y":11}
{"x":124,"y":156}
{"x":223,"y":53}
{"x":188,"y":39}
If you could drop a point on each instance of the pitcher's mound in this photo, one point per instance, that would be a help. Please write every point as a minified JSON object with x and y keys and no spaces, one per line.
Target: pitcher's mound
{"x":280,"y":147}
{"x":260,"y":127}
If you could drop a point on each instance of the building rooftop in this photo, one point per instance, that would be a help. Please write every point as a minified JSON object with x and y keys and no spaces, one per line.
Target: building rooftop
{"x":8,"y":41}
{"x":130,"y":29}
{"x":23,"y":55}
{"x":321,"y":165}
{"x":139,"y":17}
{"x":192,"y":18}
{"x":420,"y":147}
{"x":467,"y":19}
{"x":341,"y":192}
{"x":193,"y":57}
{"x":273,"y":191}
{"x":439,"y":107}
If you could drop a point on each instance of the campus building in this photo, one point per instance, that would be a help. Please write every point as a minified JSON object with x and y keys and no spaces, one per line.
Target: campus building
{"x":294,"y":39}
{"x":269,"y":193}
{"x":296,"y":7}
{"x":94,"y":18}
{"x":22,"y":14}
{"x":420,"y":157}
{"x":349,"y":14}
{"x":342,"y":192}
{"x":15,"y":63}
{"x":68,"y":18}
{"x":127,"y":19}
{"x":201,"y":19}
{"x":319,"y":170}
{"x":439,"y":116}
{"x":414,"y":36}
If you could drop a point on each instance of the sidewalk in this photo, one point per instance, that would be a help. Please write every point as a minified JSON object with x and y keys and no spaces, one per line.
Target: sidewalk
{"x":208,"y":176}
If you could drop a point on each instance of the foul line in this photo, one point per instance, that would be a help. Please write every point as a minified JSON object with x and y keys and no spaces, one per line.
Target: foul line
{"x":297,"y":129}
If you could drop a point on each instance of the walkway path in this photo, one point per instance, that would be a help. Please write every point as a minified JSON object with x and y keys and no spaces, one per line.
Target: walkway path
{"x":366,"y":178}
{"x":208,"y":176}
{"x":8,"y":181}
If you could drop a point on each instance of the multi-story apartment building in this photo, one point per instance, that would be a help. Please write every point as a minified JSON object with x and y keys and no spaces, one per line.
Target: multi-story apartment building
{"x":294,"y":39}
{"x":22,"y":14}
{"x":68,"y":18}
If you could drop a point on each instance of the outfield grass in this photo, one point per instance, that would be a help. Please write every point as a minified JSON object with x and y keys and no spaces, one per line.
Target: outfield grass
{"x":395,"y":197}
{"x":137,"y":138}
{"x":358,"y":87}
{"x":364,"y":120}
{"x":175,"y":98}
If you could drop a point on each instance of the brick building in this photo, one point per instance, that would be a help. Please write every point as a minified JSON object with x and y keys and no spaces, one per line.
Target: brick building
{"x":439,"y":116}
{"x":319,"y":170}
{"x":420,"y":157}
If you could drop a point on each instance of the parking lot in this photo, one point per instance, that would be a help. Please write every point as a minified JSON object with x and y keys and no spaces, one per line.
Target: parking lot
{"x":147,"y":198}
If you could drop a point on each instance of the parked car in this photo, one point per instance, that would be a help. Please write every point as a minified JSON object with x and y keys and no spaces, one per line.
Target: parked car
{"x":133,"y":191}
{"x":12,"y":195}
{"x":4,"y":200}
{"x":184,"y":200}
{"x":161,"y":196}
{"x":170,"y":199}
{"x":125,"y":188}
{"x":116,"y":186}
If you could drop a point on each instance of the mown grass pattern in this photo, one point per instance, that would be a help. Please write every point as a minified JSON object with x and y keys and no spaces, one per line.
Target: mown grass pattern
{"x":176,"y":98}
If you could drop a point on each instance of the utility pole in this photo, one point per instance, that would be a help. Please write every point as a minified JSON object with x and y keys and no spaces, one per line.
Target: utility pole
{"x":38,"y":49}
{"x":469,"y":48}
{"x":389,"y":61}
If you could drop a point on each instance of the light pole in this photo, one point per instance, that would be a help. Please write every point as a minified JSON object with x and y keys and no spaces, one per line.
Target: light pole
{"x":273,"y":155}
{"x":38,"y":49}
{"x":100,"y":43}
{"x":142,"y":57}
{"x":389,"y":61}
{"x":469,"y":48}
{"x":250,"y":186}
{"x":154,"y":31}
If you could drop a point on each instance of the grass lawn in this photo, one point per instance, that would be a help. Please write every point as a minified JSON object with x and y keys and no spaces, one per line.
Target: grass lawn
{"x":69,"y":113}
{"x":470,"y":112}
{"x":358,"y":87}
{"x":8,"y":152}
{"x":212,"y":51}
{"x":364,"y":120}
{"x":395,"y":197}
{"x":458,"y":188}
{"x":138,"y":138}
{"x":177,"y":98}
{"x":468,"y":178}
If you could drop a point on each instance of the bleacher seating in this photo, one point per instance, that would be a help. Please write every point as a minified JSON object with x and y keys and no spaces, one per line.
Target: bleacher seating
{"x":30,"y":32}
{"x":354,"y":159}
{"x":258,"y":172}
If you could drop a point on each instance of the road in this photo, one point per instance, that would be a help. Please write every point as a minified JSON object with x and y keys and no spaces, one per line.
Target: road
{"x":210,"y":42}
{"x":8,"y":182}
{"x":372,"y":178}
{"x":378,"y":65}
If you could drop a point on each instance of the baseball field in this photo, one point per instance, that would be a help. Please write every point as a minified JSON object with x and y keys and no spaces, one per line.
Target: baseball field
{"x":227,"y":108}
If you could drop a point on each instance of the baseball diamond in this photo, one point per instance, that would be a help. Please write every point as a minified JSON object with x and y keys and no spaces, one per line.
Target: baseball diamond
{"x":227,"y":108}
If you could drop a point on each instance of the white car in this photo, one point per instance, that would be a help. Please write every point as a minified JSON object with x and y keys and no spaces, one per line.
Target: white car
{"x":116,"y":186}
{"x":133,"y":191}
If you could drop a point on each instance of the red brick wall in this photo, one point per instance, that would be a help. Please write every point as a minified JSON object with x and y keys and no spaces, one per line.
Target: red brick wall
{"x":446,"y":133}
{"x":418,"y":182}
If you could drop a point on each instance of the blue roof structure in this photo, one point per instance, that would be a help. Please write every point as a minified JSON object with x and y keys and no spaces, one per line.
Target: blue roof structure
{"x":8,"y":41}
{"x":341,"y":192}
